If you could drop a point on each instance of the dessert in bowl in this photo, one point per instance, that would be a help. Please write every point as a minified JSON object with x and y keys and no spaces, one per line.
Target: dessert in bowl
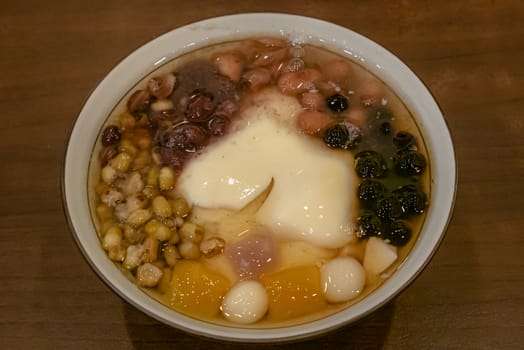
{"x":259,"y":177}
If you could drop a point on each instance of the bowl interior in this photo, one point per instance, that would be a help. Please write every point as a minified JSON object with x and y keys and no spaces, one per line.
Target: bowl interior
{"x":182,"y":40}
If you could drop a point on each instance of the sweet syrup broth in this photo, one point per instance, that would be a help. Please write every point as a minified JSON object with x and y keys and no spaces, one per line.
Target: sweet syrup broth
{"x":314,"y":56}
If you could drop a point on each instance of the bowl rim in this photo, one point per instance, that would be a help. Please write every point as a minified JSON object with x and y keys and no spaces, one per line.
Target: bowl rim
{"x":371,"y":55}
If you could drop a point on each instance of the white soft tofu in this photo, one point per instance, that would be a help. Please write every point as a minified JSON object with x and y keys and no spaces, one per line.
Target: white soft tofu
{"x":378,"y":256}
{"x":238,"y":168}
{"x":311,"y":195}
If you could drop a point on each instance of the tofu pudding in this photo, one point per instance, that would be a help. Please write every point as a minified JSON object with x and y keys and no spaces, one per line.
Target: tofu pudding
{"x":303,"y":202}
{"x":259,"y":183}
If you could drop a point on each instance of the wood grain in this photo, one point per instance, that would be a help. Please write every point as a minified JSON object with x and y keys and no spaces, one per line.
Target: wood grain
{"x":469,"y":53}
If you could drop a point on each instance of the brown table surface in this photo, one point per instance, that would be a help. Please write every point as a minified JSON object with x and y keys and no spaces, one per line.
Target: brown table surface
{"x":469,"y":53}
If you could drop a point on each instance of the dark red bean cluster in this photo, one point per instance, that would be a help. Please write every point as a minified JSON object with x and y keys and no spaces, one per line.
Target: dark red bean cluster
{"x":199,"y":115}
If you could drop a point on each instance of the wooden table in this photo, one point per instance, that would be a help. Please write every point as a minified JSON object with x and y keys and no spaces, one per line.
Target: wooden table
{"x":469,"y":53}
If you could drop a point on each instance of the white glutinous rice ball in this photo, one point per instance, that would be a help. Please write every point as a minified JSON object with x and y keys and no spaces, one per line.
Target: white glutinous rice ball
{"x":342,"y":279}
{"x":245,"y":303}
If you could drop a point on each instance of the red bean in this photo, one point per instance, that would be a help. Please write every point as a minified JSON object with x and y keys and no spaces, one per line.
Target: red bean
{"x":258,"y":78}
{"x":110,"y":135}
{"x":294,"y":83}
{"x":187,"y":137}
{"x":312,"y":100}
{"x":313,"y":122}
{"x":218,"y":125}
{"x":106,"y":154}
{"x":139,"y":101}
{"x":162,"y":87}
{"x":199,"y":107}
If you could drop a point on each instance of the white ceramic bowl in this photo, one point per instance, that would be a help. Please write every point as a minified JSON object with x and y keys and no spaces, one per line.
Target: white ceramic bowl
{"x":344,"y":41}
